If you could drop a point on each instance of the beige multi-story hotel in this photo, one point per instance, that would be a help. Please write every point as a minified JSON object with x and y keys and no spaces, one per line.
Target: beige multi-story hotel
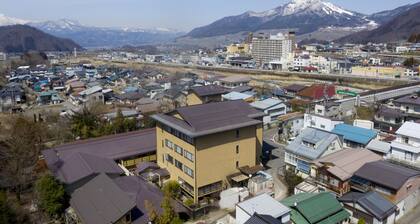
{"x":266,"y":49}
{"x":202,"y":145}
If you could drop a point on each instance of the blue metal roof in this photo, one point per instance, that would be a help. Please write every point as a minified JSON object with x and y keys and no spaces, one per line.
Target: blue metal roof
{"x":355,"y":134}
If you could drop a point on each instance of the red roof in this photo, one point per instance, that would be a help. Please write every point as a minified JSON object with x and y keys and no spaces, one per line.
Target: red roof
{"x":316,"y":91}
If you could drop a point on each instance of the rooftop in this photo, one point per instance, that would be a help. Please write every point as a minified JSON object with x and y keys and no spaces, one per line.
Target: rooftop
{"x":379,"y":146}
{"x":101,"y":201}
{"x":372,"y":202}
{"x":211,"y":118}
{"x":386,"y":174}
{"x":414,"y":100}
{"x":310,"y":208}
{"x":347,"y":161}
{"x":409,"y":129}
{"x":114,"y":147}
{"x":266,"y":104}
{"x":236,"y":96}
{"x":81,"y":165}
{"x":209,"y":90}
{"x":264,"y":205}
{"x":294,"y":88}
{"x":355,"y":134}
{"x":321,"y":139}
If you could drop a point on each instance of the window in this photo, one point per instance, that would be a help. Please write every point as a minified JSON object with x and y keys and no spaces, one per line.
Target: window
{"x":162,"y":144}
{"x":322,"y":126}
{"x":189,"y":156}
{"x":237,"y":149}
{"x":237,"y":133}
{"x":178,"y":164}
{"x":237,"y":164}
{"x":178,"y":149}
{"x":405,"y":139}
{"x":189,"y":171}
{"x":169,"y":144}
{"x":170,"y":159}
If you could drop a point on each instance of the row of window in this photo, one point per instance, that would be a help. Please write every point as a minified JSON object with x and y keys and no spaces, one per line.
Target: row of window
{"x":179,"y":165}
{"x":178,"y":149}
{"x":178,"y":134}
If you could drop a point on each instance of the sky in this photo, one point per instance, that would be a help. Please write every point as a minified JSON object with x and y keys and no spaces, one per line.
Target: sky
{"x":182,"y":15}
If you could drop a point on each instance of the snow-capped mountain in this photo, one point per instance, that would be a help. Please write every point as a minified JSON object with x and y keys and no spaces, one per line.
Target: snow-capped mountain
{"x":7,"y":21}
{"x":58,"y":25}
{"x":91,"y":36}
{"x":304,"y":16}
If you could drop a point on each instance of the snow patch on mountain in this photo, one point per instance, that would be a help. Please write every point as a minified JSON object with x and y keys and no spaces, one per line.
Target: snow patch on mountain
{"x":7,"y":21}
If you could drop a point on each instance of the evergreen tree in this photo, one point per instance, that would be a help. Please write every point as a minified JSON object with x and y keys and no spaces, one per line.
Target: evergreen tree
{"x":51,"y":196}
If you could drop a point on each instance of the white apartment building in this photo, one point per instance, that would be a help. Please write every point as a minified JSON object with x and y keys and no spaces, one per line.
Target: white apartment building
{"x":319,"y":122}
{"x":266,"y":49}
{"x":406,"y":147}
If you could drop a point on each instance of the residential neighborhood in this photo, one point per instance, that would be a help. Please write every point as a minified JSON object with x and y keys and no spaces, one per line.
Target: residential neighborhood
{"x":307,"y":113}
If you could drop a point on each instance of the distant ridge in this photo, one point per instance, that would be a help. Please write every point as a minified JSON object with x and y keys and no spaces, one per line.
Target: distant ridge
{"x":23,"y":38}
{"x":397,"y":29}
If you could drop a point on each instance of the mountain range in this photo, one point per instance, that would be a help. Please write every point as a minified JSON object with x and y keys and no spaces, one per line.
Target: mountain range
{"x":399,"y":28}
{"x":94,"y":37}
{"x":24,"y":38}
{"x":309,"y":18}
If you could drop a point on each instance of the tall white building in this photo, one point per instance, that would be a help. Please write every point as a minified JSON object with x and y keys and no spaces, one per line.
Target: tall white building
{"x":266,"y":49}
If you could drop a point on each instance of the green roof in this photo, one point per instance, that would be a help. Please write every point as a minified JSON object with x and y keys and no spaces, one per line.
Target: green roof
{"x":310,"y":208}
{"x":297,"y":198}
{"x":336,"y":218}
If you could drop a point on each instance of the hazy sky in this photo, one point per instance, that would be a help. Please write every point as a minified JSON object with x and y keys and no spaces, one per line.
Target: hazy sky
{"x":177,"y":14}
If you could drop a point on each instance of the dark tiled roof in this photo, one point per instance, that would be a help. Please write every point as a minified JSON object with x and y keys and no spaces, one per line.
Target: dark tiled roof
{"x":141,"y":191}
{"x":386,"y":174}
{"x":80,"y":165}
{"x":294,"y":88}
{"x":101,"y":201}
{"x":390,"y":112}
{"x":241,"y":89}
{"x":373,"y":202}
{"x":209,"y":90}
{"x":414,"y":100}
{"x":262,"y":219}
{"x":115,"y":147}
{"x":211,"y":118}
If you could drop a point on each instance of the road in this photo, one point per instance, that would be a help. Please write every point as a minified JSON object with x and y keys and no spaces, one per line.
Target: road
{"x":276,"y":163}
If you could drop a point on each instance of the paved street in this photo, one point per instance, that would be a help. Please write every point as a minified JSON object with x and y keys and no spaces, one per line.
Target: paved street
{"x":276,"y":163}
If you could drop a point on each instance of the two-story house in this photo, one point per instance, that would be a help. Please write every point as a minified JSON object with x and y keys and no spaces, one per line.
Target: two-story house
{"x":396,"y":183}
{"x":389,"y":119}
{"x":334,"y":171}
{"x":272,"y":108}
{"x":320,"y":122}
{"x":406,"y":147}
{"x":205,"y":94}
{"x":202,"y":145}
{"x":410,"y":105}
{"x":309,"y":146}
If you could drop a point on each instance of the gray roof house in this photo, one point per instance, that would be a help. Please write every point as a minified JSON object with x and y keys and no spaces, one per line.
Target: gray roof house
{"x":102,"y":201}
{"x":310,"y":145}
{"x":396,"y":183}
{"x":371,"y":206}
{"x":79,"y":166}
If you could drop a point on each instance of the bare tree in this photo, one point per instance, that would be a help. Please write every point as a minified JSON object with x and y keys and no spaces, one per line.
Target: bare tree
{"x":19,"y":154}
